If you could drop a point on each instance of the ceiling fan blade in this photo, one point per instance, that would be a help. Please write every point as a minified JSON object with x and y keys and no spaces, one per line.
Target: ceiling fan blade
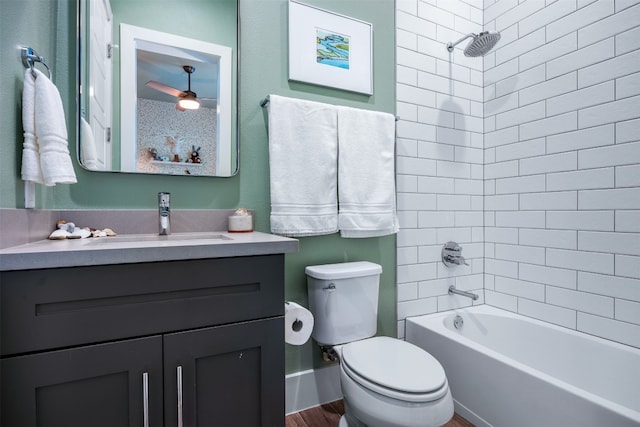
{"x":164,"y":88}
{"x":206,"y":99}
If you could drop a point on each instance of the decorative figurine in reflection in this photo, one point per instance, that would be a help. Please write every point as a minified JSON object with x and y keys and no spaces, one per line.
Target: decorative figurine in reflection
{"x":194,"y":155}
{"x":173,"y":144}
{"x":154,"y":153}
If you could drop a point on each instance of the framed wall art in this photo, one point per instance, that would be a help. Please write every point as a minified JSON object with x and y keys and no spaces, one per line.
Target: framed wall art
{"x":329,"y":49}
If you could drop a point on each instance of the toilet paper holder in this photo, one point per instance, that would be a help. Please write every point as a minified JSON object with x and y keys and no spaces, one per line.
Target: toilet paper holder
{"x":297,"y":324}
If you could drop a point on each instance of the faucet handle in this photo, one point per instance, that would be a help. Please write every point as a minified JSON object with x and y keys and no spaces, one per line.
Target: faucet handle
{"x":455,"y":259}
{"x":452,"y":254}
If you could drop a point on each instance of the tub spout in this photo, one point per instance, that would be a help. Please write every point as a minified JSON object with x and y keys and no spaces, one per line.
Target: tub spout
{"x":453,"y":290}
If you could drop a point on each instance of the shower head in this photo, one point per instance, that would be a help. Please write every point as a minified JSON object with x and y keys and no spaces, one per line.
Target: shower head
{"x":480,"y":44}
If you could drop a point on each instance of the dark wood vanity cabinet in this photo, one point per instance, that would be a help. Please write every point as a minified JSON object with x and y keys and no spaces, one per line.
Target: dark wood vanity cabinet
{"x":96,"y":385}
{"x":199,"y":341}
{"x":247,"y":368}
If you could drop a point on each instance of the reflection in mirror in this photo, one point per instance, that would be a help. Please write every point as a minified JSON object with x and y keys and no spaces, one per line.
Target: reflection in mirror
{"x":160,"y":131}
{"x":163,"y":103}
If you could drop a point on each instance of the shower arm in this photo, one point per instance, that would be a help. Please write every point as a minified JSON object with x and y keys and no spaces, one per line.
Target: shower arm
{"x":450,"y":45}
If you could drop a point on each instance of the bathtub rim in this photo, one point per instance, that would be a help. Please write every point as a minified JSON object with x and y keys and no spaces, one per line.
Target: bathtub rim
{"x":437,"y":320}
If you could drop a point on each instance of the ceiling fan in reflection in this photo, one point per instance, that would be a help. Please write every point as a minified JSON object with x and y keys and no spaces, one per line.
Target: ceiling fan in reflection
{"x":187,"y":99}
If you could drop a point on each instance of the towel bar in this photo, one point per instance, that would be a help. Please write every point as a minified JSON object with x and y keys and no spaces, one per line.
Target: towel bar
{"x":29,"y":57}
{"x":265,"y":101}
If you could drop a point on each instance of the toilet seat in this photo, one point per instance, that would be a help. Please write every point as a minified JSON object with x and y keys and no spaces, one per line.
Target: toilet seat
{"x":394,"y":368}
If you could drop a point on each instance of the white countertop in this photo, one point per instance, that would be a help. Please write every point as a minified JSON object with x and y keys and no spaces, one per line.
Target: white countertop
{"x":130,"y":248}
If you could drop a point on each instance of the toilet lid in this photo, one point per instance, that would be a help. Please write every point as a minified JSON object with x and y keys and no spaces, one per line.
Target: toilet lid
{"x":394,"y":364}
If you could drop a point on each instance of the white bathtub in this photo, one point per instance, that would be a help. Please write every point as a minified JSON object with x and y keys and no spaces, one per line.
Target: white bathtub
{"x":508,"y":370}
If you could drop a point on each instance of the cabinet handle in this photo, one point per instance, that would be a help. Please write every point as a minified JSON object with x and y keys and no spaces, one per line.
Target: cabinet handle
{"x":179,"y":378}
{"x":145,"y":399}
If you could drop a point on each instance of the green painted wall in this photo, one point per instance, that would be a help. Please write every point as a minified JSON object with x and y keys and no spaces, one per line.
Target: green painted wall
{"x":26,"y":23}
{"x":49,"y":27}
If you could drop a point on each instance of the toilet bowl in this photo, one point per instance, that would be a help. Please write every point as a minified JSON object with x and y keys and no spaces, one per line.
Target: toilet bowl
{"x":386,"y":382}
{"x":391,"y":383}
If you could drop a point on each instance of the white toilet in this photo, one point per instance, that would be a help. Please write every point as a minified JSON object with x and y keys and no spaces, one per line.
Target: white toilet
{"x":386,"y":382}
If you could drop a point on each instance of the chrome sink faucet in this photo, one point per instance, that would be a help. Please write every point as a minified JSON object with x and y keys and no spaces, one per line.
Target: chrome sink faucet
{"x":164,"y":213}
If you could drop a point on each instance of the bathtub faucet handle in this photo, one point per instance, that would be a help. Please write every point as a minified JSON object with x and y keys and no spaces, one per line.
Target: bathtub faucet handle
{"x":452,"y":255}
{"x":456,"y":260}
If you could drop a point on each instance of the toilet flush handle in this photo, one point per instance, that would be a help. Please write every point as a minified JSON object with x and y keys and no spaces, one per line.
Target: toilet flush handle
{"x":330,"y":287}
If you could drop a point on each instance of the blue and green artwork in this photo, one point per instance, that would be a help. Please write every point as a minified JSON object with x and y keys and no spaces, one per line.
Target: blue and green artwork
{"x":332,"y":49}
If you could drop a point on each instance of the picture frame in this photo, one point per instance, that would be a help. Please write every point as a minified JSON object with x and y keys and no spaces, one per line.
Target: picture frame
{"x":329,"y":49}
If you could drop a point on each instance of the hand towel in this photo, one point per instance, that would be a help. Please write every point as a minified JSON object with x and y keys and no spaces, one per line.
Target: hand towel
{"x":366,"y":173}
{"x":87,"y":146}
{"x":51,"y":134}
{"x":30,"y":156}
{"x":303,"y":147}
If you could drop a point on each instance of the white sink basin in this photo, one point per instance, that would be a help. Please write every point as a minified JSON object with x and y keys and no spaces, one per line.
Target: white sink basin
{"x":176,"y":237}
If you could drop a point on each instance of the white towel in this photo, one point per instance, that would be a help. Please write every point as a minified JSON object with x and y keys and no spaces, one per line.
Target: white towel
{"x":30,"y":156}
{"x":45,"y":154}
{"x":87,"y":146}
{"x":303,"y":167}
{"x":51,"y":134}
{"x":366,"y":173}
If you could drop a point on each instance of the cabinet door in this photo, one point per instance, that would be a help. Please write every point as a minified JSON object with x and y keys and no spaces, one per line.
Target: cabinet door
{"x":231,"y":375}
{"x":98,"y":385}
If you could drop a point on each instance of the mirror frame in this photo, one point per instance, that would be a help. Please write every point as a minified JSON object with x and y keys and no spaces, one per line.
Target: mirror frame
{"x":234,"y":95}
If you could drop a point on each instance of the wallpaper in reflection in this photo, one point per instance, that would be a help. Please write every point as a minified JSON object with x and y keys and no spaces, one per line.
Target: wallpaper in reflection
{"x":169,"y":134}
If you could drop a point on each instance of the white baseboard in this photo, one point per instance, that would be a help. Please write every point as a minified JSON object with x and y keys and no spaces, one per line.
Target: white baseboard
{"x":314,"y":387}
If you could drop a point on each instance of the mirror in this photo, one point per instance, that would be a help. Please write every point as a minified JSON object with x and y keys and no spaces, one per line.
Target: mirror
{"x":161,"y":96}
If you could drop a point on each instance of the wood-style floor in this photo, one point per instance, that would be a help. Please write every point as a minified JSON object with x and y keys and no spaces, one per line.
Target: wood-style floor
{"x":328,"y":415}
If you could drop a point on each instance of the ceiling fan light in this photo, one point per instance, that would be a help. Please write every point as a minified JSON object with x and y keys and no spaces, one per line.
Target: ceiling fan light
{"x":189,"y":103}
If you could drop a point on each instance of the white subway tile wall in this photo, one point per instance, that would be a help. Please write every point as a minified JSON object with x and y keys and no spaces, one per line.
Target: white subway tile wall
{"x":529,"y":158}
{"x":441,"y":110}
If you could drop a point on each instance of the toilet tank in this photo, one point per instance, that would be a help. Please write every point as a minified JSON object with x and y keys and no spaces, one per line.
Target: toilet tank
{"x":343,"y":299}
